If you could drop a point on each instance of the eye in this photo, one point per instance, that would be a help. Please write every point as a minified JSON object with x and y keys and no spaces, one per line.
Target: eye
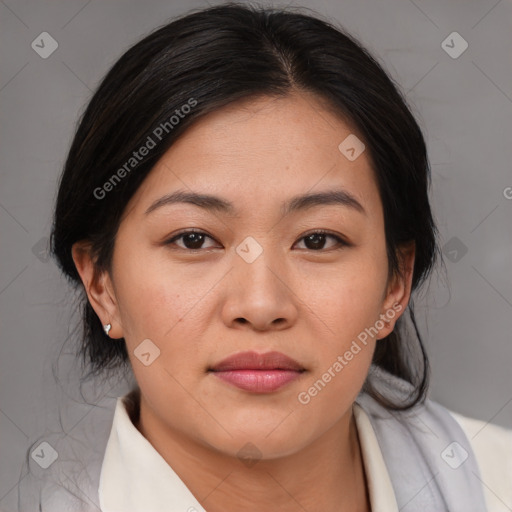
{"x":192,"y":240}
{"x":316,"y":240}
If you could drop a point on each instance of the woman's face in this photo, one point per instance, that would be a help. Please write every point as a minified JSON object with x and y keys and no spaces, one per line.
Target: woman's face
{"x":254,"y":280}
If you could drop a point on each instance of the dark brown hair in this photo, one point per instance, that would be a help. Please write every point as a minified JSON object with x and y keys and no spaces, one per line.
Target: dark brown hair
{"x":217,"y":56}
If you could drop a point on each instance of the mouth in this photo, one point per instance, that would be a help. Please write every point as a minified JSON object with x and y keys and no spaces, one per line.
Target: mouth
{"x":258,"y":373}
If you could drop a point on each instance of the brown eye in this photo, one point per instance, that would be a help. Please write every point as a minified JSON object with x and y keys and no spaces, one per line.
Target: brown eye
{"x":317,"y":240}
{"x":192,"y":240}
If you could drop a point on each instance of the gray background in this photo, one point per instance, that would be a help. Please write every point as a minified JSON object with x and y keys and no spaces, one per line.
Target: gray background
{"x":464,"y":106}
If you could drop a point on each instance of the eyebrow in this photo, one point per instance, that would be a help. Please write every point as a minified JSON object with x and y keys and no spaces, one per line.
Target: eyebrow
{"x":300,"y":202}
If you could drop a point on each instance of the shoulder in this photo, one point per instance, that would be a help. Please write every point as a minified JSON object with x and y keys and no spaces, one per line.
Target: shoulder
{"x":492,"y":446}
{"x":61,"y":469}
{"x":441,"y":434}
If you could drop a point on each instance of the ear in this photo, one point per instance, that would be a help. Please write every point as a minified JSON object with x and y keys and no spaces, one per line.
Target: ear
{"x":99,"y":288}
{"x":398,"y":290}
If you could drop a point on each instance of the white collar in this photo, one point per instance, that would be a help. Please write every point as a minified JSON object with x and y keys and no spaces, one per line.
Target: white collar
{"x":136,"y":478}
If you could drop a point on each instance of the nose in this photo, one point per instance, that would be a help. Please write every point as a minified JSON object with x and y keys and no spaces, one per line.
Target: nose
{"x":260,"y":295}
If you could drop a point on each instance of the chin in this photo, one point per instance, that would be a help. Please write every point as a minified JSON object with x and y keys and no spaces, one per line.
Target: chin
{"x":251,"y":449}
{"x":265,"y":440}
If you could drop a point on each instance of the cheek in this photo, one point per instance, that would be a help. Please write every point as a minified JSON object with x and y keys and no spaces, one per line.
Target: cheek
{"x":152,"y":300}
{"x":349,"y":306}
{"x":169,"y":305}
{"x":347,"y":298}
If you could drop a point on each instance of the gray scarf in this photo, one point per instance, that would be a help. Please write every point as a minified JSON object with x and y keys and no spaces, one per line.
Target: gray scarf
{"x":429,"y":458}
{"x":412,"y":445}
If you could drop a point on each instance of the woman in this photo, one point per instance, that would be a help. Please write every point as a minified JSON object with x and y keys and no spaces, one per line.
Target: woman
{"x":245,"y":204}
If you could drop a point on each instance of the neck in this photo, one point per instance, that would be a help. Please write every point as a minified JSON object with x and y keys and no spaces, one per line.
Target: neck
{"x":328,"y":474}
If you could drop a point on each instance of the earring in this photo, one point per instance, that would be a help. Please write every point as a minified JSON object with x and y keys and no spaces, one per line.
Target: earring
{"x":107,"y":328}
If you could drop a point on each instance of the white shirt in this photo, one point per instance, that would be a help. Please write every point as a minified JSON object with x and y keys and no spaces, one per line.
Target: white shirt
{"x":136,"y":478}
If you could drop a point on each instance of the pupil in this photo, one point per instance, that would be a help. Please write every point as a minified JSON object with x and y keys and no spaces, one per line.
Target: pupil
{"x":196,"y":240}
{"x":314,"y":238}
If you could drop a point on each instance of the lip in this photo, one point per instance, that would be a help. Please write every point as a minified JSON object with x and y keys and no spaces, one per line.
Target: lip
{"x":258,"y":373}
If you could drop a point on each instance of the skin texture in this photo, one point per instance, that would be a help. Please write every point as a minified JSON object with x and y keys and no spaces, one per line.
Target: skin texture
{"x":201,"y":306}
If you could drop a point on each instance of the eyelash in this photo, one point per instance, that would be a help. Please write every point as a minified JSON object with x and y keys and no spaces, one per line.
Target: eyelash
{"x":342,"y":243}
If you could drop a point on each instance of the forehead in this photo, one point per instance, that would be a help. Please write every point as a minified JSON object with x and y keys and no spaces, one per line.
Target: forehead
{"x":264,"y":151}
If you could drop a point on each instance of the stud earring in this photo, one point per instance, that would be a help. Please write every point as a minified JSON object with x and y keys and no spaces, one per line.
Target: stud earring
{"x":107,"y":328}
